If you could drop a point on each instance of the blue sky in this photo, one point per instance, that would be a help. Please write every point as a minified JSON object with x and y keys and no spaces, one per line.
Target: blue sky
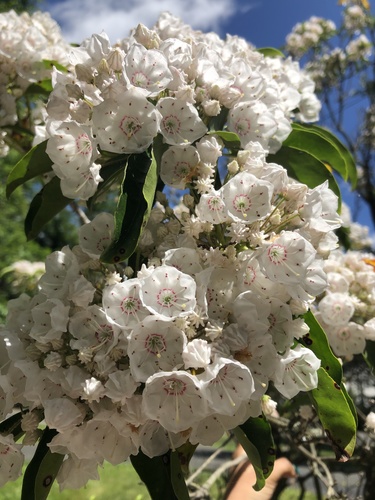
{"x":261,"y":22}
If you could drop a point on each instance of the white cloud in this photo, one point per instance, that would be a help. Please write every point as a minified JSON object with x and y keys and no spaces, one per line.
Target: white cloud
{"x":81,"y":18}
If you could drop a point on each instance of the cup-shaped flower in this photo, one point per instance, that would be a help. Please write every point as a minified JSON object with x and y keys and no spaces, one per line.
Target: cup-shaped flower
{"x":154,"y":345}
{"x":346,"y":340}
{"x":168,"y":292}
{"x":336,"y":309}
{"x":147,"y":69}
{"x":180,"y":123}
{"x":178,"y":165}
{"x":127,"y":124}
{"x":95,"y":236}
{"x":229,"y":384}
{"x":123,"y":305}
{"x":176,"y":399}
{"x":247,"y":198}
{"x":11,"y":461}
{"x":297,"y":371}
{"x":211,"y":208}
{"x":287,"y":258}
{"x":62,"y":413}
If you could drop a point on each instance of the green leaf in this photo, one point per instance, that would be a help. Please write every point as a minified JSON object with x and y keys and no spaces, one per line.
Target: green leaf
{"x":255,"y":436}
{"x":36,"y":162}
{"x":50,"y":63}
{"x":316,"y":340}
{"x":369,"y":355}
{"x":270,"y":52}
{"x":185,"y":454}
{"x":44,"y":206}
{"x":177,"y":478}
{"x":134,"y":206}
{"x":43,"y":88}
{"x":156,"y":474}
{"x":42,"y":470}
{"x":324,"y":146}
{"x":110,"y":172}
{"x":12,"y":425}
{"x":335,"y":415}
{"x":230,"y":139}
{"x":305,"y":168}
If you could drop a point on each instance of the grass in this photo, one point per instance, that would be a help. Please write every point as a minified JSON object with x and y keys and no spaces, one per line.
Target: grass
{"x":122,"y":483}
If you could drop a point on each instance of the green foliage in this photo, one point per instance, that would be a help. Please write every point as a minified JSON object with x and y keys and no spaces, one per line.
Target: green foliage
{"x":18,"y":5}
{"x":369,"y":355}
{"x":255,"y":436}
{"x":134,"y":206}
{"x":332,"y":403}
{"x":42,"y":470}
{"x":270,"y":52}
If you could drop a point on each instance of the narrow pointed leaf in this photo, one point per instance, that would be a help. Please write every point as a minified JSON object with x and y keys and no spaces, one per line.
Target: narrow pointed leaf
{"x":316,"y":340}
{"x":42,"y":470}
{"x":110,"y":173}
{"x":156,"y":474}
{"x":12,"y":425}
{"x":36,"y":162}
{"x":43,"y":88}
{"x":177,"y":478}
{"x":134,"y":207}
{"x":44,"y":206}
{"x":305,"y":168}
{"x":335,"y":415}
{"x":255,"y":436}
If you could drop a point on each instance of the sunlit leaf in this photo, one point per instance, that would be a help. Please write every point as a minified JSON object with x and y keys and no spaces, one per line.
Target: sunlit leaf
{"x":42,"y":470}
{"x":36,"y":162}
{"x":335,"y":415}
{"x":255,"y":436}
{"x":369,"y":355}
{"x":44,"y":206}
{"x":177,"y":478}
{"x":230,"y":139}
{"x":134,"y":206}
{"x":270,"y":52}
{"x":305,"y":168}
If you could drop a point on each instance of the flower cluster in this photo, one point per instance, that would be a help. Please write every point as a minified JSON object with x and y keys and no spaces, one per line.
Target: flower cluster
{"x":308,"y":34}
{"x":182,"y":341}
{"x":347,"y":309}
{"x":174,"y":82}
{"x":27,"y":43}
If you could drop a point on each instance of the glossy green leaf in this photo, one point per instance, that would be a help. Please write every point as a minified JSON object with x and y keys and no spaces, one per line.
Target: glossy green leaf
{"x":44,"y":206}
{"x":316,"y":340}
{"x":185,"y":454}
{"x":134,"y":206}
{"x":230,"y":139}
{"x":43,"y":88}
{"x":50,"y":63}
{"x":270,"y":52}
{"x":255,"y":436}
{"x":326,"y":147}
{"x":12,"y":425}
{"x":335,"y":415}
{"x":111,"y":171}
{"x":305,"y":168}
{"x":36,"y":162}
{"x":156,"y":474}
{"x":42,"y":470}
{"x":369,"y":355}
{"x":259,"y":432}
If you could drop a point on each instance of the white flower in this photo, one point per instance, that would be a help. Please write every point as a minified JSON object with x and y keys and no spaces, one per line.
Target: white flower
{"x":197,"y":354}
{"x":229,"y":383}
{"x":126,"y":125}
{"x":11,"y":461}
{"x":247,"y":198}
{"x":178,"y":165}
{"x":75,"y":473}
{"x":95,"y":236}
{"x":168,"y":292}
{"x":175,"y":399}
{"x":336,"y":309}
{"x":211,"y":207}
{"x":370,"y":421}
{"x":297,"y":371}
{"x":123,"y":305}
{"x":180,"y":123}
{"x":147,"y":69}
{"x":154,"y":345}
{"x":61,"y":414}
